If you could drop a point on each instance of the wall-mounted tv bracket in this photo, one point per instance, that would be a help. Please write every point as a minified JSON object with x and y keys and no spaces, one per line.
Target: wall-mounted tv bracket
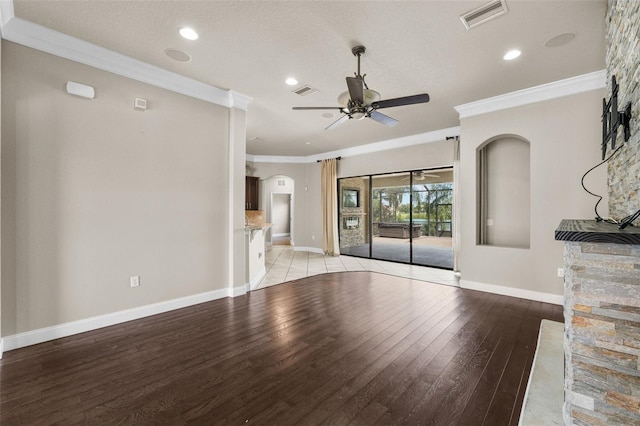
{"x":612,"y":119}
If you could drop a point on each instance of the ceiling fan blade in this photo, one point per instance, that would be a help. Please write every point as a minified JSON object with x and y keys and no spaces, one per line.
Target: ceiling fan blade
{"x":338,"y":122}
{"x":356,"y":89}
{"x":311,"y":108}
{"x":384,"y":119}
{"x":407,"y":100}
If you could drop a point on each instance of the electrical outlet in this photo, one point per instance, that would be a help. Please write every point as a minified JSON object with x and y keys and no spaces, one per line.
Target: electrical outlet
{"x":560,"y":272}
{"x":313,"y":237}
{"x":134,"y":281}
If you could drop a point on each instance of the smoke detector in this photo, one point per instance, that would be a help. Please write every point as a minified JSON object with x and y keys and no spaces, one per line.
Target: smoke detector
{"x":484,"y":13}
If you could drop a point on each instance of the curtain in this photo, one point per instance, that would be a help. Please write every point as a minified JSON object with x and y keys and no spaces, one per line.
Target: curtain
{"x":456,"y":204}
{"x":329,"y":176}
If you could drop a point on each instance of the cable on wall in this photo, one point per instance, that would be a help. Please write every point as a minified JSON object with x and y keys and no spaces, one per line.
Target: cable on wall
{"x":598,"y":217}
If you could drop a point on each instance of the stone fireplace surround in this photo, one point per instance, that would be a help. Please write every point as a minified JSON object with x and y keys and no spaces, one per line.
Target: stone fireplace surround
{"x":602,"y":323}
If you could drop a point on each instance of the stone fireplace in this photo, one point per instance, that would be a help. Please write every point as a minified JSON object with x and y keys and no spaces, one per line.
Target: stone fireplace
{"x":602,"y":323}
{"x":602,"y":263}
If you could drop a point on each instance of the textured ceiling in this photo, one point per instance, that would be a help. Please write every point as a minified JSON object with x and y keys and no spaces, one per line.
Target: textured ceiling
{"x":412,"y":47}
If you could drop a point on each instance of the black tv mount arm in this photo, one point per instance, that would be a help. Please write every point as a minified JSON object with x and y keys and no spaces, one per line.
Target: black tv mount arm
{"x":612,"y":119}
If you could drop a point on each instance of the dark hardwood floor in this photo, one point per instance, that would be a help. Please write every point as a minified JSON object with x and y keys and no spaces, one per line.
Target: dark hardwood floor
{"x":343,"y":348}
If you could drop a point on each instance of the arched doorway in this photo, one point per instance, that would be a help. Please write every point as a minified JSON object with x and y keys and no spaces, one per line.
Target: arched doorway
{"x":279,"y":209}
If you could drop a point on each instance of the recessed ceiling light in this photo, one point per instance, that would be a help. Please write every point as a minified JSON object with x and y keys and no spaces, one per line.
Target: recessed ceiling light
{"x":560,"y":40}
{"x":189,"y":33}
{"x":291,"y":81}
{"x":328,"y":115}
{"x":307,"y":143}
{"x":512,"y":54}
{"x":177,"y":55}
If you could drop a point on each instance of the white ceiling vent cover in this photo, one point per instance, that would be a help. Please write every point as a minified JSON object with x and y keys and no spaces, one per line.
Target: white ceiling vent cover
{"x":484,"y":13}
{"x":305,"y":90}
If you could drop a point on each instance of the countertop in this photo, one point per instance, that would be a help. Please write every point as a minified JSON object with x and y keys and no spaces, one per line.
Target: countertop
{"x":255,"y":227}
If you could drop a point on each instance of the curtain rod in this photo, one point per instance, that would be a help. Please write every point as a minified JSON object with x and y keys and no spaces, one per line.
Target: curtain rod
{"x":337,"y":158}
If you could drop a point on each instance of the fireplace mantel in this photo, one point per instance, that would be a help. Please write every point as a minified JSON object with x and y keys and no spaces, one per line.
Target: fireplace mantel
{"x":590,"y":231}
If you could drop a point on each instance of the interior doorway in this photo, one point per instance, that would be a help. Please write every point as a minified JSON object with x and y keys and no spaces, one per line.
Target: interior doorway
{"x":278,"y":203}
{"x":281,"y":218}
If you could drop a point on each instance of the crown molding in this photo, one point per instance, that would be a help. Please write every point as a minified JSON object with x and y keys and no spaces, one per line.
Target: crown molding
{"x":6,"y":13}
{"x":419,"y":139}
{"x":557,"y":89}
{"x":56,"y":43}
{"x":277,"y":159}
{"x":238,"y":100}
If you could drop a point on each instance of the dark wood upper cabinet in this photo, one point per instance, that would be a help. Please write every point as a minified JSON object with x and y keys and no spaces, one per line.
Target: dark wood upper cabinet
{"x":251,"y":193}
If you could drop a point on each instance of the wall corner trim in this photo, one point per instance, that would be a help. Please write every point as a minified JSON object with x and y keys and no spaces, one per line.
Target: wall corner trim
{"x":6,"y":13}
{"x":238,"y":100}
{"x":56,"y":43}
{"x":556,"y":299}
{"x":253,"y":284}
{"x":557,"y":89}
{"x":34,"y":337}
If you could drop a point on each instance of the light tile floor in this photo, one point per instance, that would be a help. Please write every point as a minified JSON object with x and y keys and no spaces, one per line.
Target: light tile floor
{"x":284,"y":264}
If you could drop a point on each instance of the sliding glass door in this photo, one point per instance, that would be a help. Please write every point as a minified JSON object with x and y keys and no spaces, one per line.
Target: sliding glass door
{"x":391,"y":194}
{"x":432,"y":210}
{"x":402,"y":217}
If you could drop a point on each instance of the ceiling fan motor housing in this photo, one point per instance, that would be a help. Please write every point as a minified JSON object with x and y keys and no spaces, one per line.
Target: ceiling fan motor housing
{"x":369,"y":97}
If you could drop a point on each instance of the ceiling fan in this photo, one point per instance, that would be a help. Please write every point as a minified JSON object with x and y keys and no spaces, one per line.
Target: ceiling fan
{"x":421,"y":175}
{"x":360,"y":101}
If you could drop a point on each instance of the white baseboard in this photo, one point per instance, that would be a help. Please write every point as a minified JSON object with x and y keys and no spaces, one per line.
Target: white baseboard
{"x":311,"y":249}
{"x":1,"y":347}
{"x":34,"y":337}
{"x":556,"y":299}
{"x":283,"y":234}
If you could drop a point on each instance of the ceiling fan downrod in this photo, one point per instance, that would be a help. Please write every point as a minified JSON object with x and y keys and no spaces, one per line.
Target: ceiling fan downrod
{"x":357,"y":52}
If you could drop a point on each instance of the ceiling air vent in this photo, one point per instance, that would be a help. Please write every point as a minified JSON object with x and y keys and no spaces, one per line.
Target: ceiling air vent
{"x":484,"y":13}
{"x":305,"y":90}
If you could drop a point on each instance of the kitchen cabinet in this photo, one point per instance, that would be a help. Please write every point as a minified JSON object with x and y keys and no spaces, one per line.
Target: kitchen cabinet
{"x":252,"y":192}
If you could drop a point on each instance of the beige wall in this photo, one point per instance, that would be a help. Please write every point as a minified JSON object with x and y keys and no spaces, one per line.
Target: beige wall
{"x":94,"y":192}
{"x":564,"y":134}
{"x":428,"y":155}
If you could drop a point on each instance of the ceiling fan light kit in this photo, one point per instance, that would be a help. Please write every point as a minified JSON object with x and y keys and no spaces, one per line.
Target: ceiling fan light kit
{"x":360,"y":102}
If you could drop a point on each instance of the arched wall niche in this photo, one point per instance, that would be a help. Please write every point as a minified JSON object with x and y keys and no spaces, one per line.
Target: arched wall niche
{"x":503,"y":166}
